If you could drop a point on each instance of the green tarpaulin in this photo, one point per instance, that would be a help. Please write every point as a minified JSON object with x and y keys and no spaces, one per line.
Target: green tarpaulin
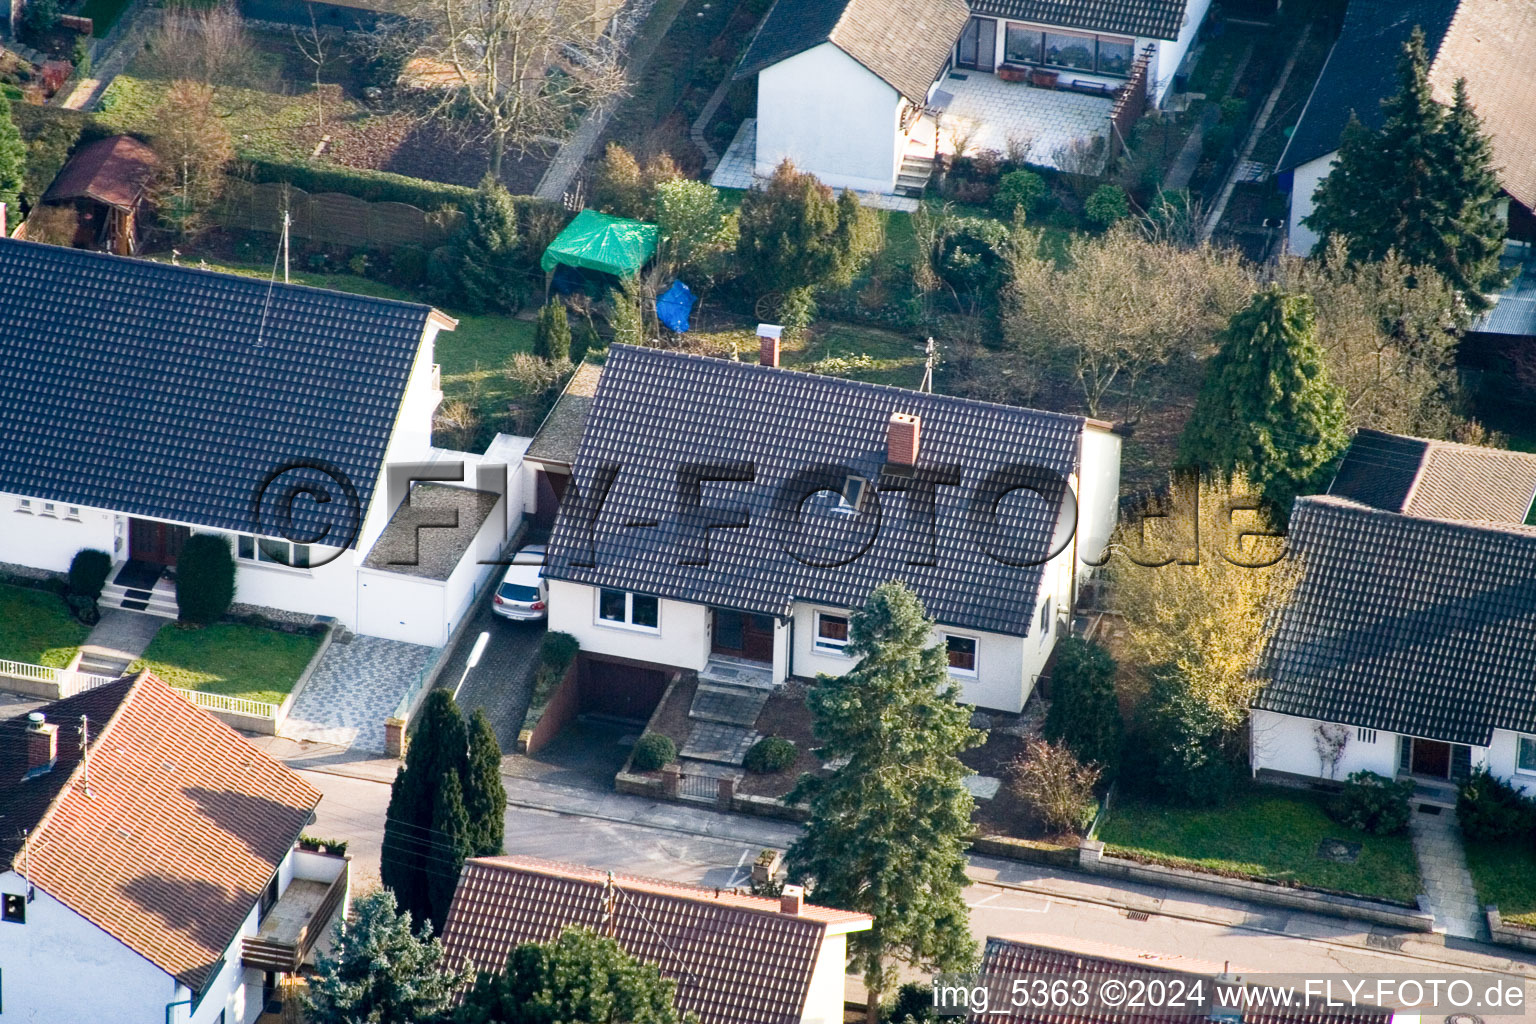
{"x":599,"y":242}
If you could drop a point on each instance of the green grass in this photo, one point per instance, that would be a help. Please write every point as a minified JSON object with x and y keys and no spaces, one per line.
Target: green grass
{"x":837,"y":349}
{"x":103,"y":14}
{"x":37,"y":629}
{"x":1266,"y":834}
{"x":1505,"y":875}
{"x":232,"y":659}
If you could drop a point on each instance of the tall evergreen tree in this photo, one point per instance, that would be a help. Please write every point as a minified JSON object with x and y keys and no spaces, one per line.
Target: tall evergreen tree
{"x":13,"y":157}
{"x":439,"y":748}
{"x":1085,"y":710}
{"x":485,"y":798}
{"x":379,"y":972}
{"x":451,"y":843}
{"x":889,"y":831}
{"x":552,"y":332}
{"x":1268,"y":408}
{"x":1423,"y":185}
{"x":580,"y":978}
{"x":795,"y":235}
{"x":488,"y":272}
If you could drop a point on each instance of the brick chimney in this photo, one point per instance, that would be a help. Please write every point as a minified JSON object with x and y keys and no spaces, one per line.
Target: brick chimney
{"x":42,"y":742}
{"x":792,"y":900}
{"x":768,"y":343}
{"x":902,"y":435}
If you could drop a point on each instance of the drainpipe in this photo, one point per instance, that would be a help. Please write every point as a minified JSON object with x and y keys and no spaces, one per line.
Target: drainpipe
{"x":171,"y":1006}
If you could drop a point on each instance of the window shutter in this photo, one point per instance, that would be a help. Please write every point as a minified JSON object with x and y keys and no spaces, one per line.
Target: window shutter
{"x":1404,"y":754}
{"x":1461,"y":762}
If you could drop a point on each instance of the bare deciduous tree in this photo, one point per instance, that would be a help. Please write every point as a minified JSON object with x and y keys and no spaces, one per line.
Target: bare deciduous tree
{"x":313,"y":45}
{"x":511,"y":73}
{"x":194,"y":147}
{"x":207,"y":45}
{"x":1056,"y":785}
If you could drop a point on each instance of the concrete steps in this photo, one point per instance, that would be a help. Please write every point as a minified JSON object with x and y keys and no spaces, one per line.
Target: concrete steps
{"x":159,"y":600}
{"x":913,"y":177}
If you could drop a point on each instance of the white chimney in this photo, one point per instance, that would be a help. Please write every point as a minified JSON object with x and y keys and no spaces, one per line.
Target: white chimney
{"x":902,"y":436}
{"x":791,"y":900}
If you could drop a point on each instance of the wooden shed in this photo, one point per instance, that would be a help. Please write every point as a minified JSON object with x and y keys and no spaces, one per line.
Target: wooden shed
{"x":106,"y":183}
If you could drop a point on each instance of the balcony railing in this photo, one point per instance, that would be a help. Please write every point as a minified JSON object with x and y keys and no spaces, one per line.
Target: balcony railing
{"x":300,"y":917}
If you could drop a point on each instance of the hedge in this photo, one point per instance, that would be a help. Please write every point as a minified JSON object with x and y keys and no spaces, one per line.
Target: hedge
{"x":374,"y":186}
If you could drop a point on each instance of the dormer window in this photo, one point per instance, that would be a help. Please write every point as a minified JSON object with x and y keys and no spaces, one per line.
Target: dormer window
{"x":851,"y":499}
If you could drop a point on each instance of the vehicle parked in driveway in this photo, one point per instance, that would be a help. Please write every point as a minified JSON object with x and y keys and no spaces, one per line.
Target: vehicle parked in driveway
{"x":522,"y":594}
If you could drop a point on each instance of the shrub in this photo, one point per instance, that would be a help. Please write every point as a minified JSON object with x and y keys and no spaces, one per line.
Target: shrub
{"x":552,"y":333}
{"x":1190,"y":745}
{"x":653,"y":751}
{"x":374,"y":186}
{"x":1107,"y":206}
{"x":39,"y":19}
{"x":1373,"y":803}
{"x":443,"y":275}
{"x":81,"y":56}
{"x":88,"y":572}
{"x":1492,"y":811}
{"x":83,"y":608}
{"x":770,"y":754}
{"x":558,"y":650}
{"x":1085,"y":710}
{"x":1056,"y":785}
{"x":408,"y":266}
{"x":205,"y":579}
{"x":1024,"y":190}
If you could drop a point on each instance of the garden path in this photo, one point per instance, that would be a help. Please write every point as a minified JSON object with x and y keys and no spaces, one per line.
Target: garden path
{"x":1443,"y":869}
{"x":117,"y":641}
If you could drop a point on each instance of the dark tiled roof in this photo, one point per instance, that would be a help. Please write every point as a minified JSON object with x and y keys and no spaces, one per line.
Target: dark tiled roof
{"x":429,"y":532}
{"x":1153,"y":19}
{"x":1436,"y":479}
{"x":1024,"y":956}
{"x":658,"y":411}
{"x":173,"y":392}
{"x":184,"y":825}
{"x":1362,"y":70}
{"x":1415,"y":626}
{"x":113,"y":171}
{"x":736,"y":959}
{"x":904,"y":45}
{"x":559,"y":435}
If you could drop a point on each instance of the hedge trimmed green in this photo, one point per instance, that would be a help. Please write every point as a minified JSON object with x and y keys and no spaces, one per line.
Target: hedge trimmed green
{"x":205,"y":579}
{"x":374,"y":186}
{"x":88,"y":572}
{"x":770,"y":754}
{"x":653,"y":751}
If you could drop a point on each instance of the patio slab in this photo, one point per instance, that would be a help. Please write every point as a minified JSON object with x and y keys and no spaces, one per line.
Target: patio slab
{"x":989,"y":113}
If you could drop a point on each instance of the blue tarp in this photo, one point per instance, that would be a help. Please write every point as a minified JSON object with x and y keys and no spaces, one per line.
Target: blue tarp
{"x":674,"y":305}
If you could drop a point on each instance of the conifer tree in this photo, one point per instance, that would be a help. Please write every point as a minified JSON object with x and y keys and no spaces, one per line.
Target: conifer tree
{"x":1085,"y":710}
{"x":13,"y":156}
{"x":438,"y":748}
{"x":1268,"y":408}
{"x":888,"y":832}
{"x":794,"y":235}
{"x":1423,"y":185}
{"x":451,"y":843}
{"x":378,"y":971}
{"x":485,"y":798}
{"x":552,"y":332}
{"x":489,"y":277}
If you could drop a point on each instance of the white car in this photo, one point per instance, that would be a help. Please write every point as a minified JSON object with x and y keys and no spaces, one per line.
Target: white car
{"x":523,"y":594}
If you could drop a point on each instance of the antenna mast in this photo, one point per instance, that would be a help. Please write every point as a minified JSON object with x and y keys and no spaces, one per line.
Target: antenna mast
{"x":85,"y":753}
{"x":287,"y":220}
{"x":932,"y":357}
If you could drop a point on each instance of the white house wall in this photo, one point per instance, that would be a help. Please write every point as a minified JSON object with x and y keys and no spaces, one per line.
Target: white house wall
{"x":1171,"y":54}
{"x":824,"y":995}
{"x":400,"y":607}
{"x":475,"y":570}
{"x":46,"y":542}
{"x":1300,"y":239}
{"x":1098,"y":493}
{"x":681,"y":642}
{"x":831,"y":116}
{"x":1285,"y":743}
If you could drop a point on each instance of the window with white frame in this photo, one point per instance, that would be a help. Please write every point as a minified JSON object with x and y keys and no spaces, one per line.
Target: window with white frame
{"x":831,"y":632}
{"x":1045,"y":617}
{"x":50,"y":509}
{"x":1076,"y":51}
{"x":72,"y":512}
{"x":271,"y":551}
{"x":628,"y":609}
{"x":1525,"y":756}
{"x":24,"y":505}
{"x":962,"y":654}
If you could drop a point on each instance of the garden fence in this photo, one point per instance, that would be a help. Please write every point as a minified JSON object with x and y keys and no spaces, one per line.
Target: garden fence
{"x":334,"y":218}
{"x":234,"y":705}
{"x":69,"y":681}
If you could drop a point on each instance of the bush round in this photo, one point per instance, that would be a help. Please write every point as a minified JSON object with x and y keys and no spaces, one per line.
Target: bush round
{"x":770,"y":754}
{"x":205,"y":579}
{"x":1017,"y":189}
{"x":88,"y":572}
{"x":653,"y":751}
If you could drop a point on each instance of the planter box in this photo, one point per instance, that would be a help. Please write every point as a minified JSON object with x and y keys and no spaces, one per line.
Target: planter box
{"x":1012,"y":73}
{"x":1043,"y":78}
{"x":1515,"y":935}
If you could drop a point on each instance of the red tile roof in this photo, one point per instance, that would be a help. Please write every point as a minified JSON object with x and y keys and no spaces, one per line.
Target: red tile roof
{"x":736,"y":959}
{"x":169,"y":835}
{"x":1061,"y":956}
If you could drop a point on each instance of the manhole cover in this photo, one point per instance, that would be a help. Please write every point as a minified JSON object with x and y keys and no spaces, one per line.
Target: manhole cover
{"x":1338,"y":851}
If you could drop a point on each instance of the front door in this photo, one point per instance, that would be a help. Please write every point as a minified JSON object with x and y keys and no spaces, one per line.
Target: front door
{"x":157,"y":543}
{"x":978,"y":45}
{"x":742,"y":635}
{"x":1431,"y":757}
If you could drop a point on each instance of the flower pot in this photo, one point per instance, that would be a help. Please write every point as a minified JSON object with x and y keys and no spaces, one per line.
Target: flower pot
{"x":1010,"y":73}
{"x":1043,"y":78}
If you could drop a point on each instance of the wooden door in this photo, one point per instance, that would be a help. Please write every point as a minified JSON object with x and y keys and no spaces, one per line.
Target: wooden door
{"x":742,"y":635}
{"x":1431,"y":757}
{"x":156,"y":543}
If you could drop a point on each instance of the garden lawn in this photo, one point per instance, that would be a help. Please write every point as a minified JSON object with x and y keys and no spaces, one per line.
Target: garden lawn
{"x":1264,"y":833}
{"x":36,"y":628}
{"x":836,"y":349}
{"x":232,"y":659}
{"x":1505,"y":876}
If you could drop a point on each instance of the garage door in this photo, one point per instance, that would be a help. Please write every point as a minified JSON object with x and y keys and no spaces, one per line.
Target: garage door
{"x":622,"y":691}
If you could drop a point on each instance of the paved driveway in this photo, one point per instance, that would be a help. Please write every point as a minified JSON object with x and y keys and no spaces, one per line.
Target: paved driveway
{"x":503,"y":681}
{"x":357,"y":685}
